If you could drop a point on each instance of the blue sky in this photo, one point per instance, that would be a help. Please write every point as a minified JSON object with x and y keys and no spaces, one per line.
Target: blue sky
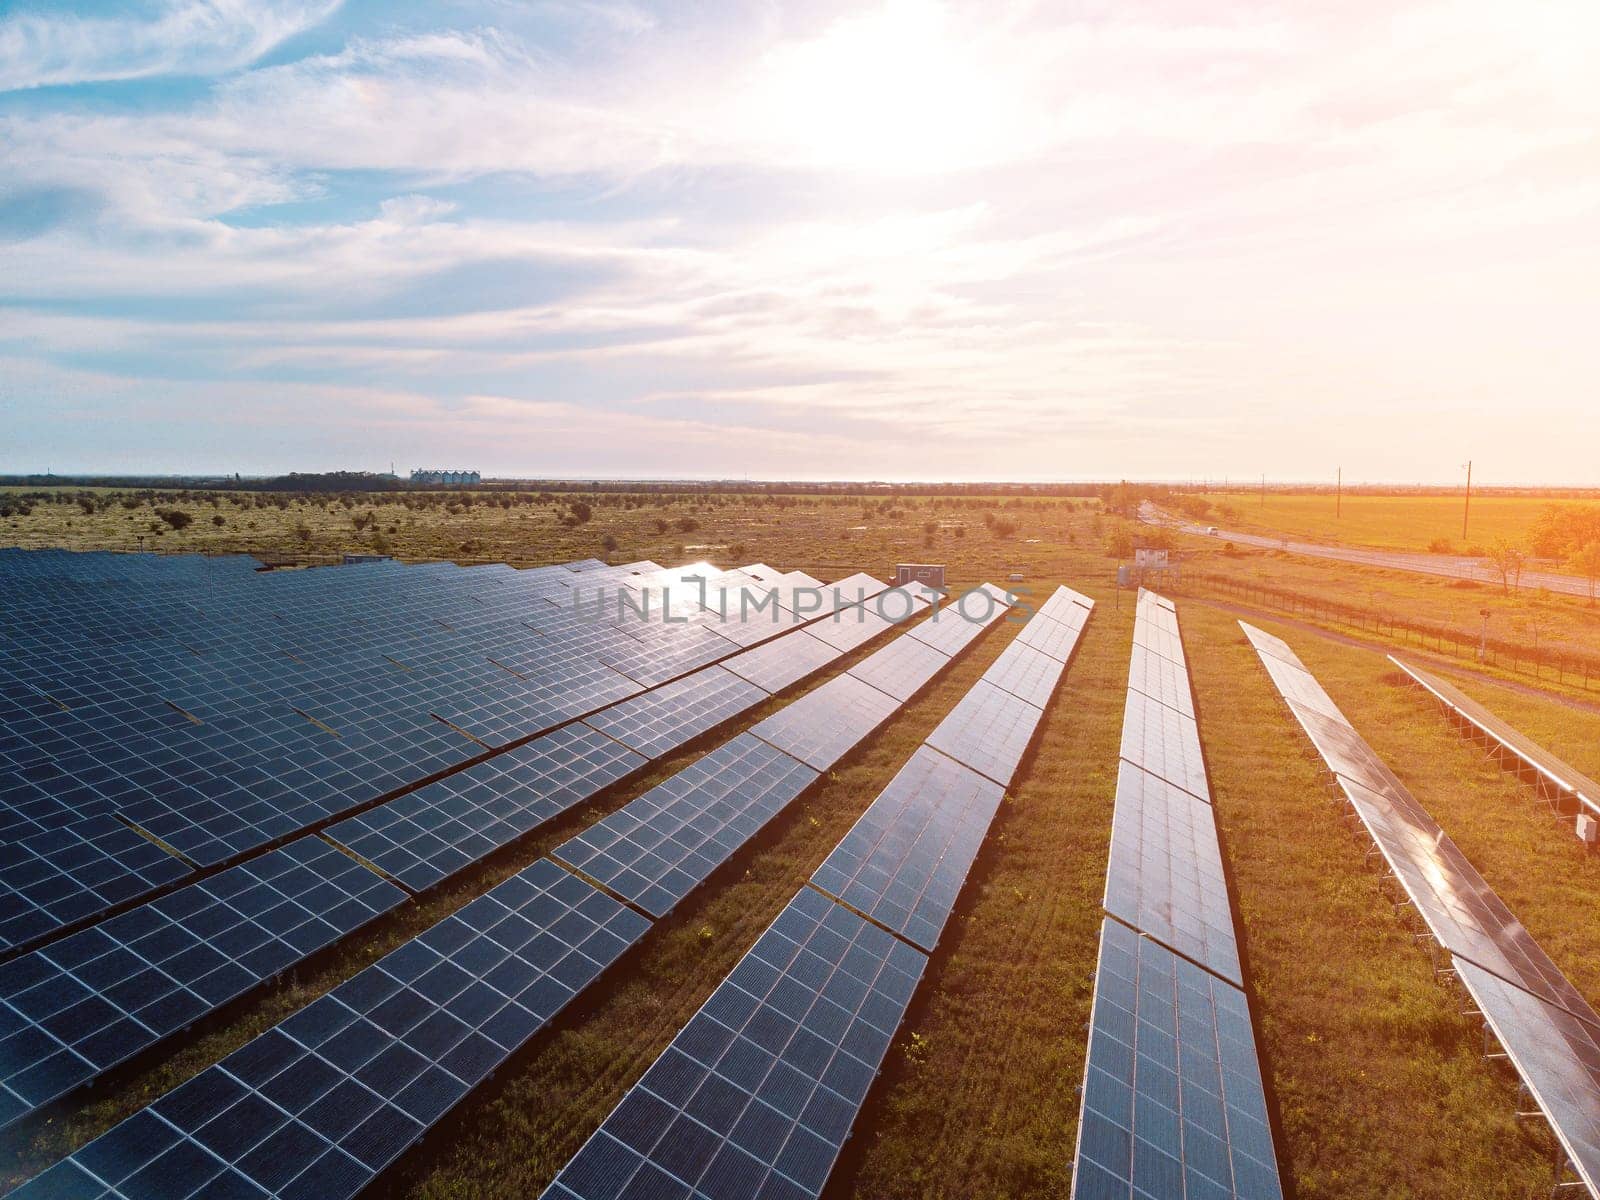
{"x":1150,"y":238}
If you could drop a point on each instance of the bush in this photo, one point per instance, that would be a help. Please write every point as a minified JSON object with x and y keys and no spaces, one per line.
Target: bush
{"x":1441,"y":545}
{"x":175,"y":518}
{"x":219,"y":520}
{"x":609,"y":544}
{"x":687,"y":524}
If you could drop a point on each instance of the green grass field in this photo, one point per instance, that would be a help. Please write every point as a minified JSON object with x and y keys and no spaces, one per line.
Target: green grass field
{"x":1389,"y":522}
{"x":1376,"y":1076}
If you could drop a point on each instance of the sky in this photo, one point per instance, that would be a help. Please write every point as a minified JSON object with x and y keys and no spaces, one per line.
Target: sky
{"x":1103,"y":239}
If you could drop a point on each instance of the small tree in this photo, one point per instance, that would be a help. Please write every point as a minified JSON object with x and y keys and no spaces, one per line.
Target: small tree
{"x":1508,"y":558}
{"x":1586,"y":562}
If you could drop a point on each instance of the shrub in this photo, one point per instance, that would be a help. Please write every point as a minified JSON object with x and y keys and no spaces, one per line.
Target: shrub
{"x":219,"y":520}
{"x":175,"y":518}
{"x":687,"y":524}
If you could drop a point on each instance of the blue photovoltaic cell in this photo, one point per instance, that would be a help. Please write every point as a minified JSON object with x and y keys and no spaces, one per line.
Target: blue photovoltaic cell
{"x":60,"y":876}
{"x":1161,"y":679}
{"x":87,"y":1002}
{"x":429,"y":834}
{"x":655,"y":850}
{"x":1173,"y":1104}
{"x":954,"y":627}
{"x":1165,"y":875}
{"x":824,"y":725}
{"x":669,"y":716}
{"x":756,"y":1095}
{"x":988,"y":730}
{"x":904,"y":862}
{"x":315,"y":1107}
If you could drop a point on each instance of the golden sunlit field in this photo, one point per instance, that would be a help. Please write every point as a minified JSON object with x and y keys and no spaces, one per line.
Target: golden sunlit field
{"x":1377,"y":1079}
{"x":1413,"y":523}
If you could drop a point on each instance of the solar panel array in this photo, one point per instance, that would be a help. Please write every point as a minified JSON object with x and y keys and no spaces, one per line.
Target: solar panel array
{"x":1552,"y":773}
{"x":220,"y":710}
{"x":51,"y":1043}
{"x":757,"y":1094}
{"x":87,"y":1002}
{"x":657,"y":849}
{"x":318,"y":1105}
{"x":347,"y":1083}
{"x":1173,"y":1100}
{"x":1549,"y":1031}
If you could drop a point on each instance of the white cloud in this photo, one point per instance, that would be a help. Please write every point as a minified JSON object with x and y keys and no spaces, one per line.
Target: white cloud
{"x":44,"y":46}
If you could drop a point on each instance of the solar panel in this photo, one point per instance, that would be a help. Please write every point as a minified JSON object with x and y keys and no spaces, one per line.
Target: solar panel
{"x":1557,"y":1057}
{"x":1165,"y":876}
{"x":87,"y":1002}
{"x":1026,"y":673}
{"x":1173,"y":1104}
{"x":1056,"y":638}
{"x":1346,"y":752}
{"x":1462,"y":911}
{"x":825,"y":724}
{"x":1161,"y":679}
{"x":850,"y":627}
{"x":904,"y":862}
{"x":669,"y":716}
{"x":55,"y":878}
{"x":783,"y":661}
{"x":955,"y":626}
{"x":1164,"y":742}
{"x":1299,"y":688}
{"x":1265,"y":643}
{"x":902,"y":668}
{"x":756,"y":1095}
{"x":429,"y":834}
{"x":1067,"y":607}
{"x":669,"y":655}
{"x":659,"y":847}
{"x":988,"y":730}
{"x":319,"y":1104}
{"x":1553,"y":770}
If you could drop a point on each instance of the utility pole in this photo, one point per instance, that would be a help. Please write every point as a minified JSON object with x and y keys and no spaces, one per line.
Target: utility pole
{"x":1338,"y":497}
{"x":1466,"y":508}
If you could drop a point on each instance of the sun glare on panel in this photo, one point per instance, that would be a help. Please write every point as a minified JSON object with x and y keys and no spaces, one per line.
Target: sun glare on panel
{"x":901,"y":89}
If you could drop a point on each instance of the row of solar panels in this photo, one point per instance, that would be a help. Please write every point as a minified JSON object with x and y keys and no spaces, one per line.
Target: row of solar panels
{"x":324,"y":1101}
{"x":73,"y":1009}
{"x":1173,"y":1100}
{"x":1553,"y":774}
{"x":1549,"y":1031}
{"x":758,"y":1092}
{"x":238,"y":781}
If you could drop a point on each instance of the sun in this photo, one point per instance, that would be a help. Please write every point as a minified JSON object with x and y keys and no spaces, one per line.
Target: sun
{"x":902,"y":89}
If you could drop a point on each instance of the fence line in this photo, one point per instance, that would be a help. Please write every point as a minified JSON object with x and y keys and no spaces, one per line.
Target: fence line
{"x":1567,"y":666}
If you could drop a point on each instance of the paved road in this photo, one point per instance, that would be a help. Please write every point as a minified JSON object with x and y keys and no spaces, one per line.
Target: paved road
{"x":1447,"y":565}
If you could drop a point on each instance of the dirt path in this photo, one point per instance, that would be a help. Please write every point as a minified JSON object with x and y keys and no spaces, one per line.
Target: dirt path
{"x":1445,"y":666}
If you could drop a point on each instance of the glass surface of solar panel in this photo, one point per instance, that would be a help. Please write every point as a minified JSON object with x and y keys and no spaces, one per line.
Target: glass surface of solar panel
{"x":1173,"y":1104}
{"x":1465,"y":915}
{"x":988,"y":730}
{"x":1056,"y":638}
{"x":956,"y":625}
{"x":1300,"y":689}
{"x":1556,"y":1056}
{"x":660,"y":846}
{"x":1164,"y":742}
{"x":83,"y":1004}
{"x":1067,"y":607}
{"x":902,"y":668}
{"x":1556,"y":771}
{"x":757,"y":1094}
{"x":783,"y":661}
{"x":318,"y":1105}
{"x":1165,"y":874}
{"x":427,"y":835}
{"x":1268,"y":644}
{"x":904,"y":862}
{"x":669,"y":716}
{"x":55,"y":878}
{"x":850,"y":627}
{"x":1026,"y":673}
{"x":1346,"y":752}
{"x":1161,"y":679}
{"x":825,"y":724}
